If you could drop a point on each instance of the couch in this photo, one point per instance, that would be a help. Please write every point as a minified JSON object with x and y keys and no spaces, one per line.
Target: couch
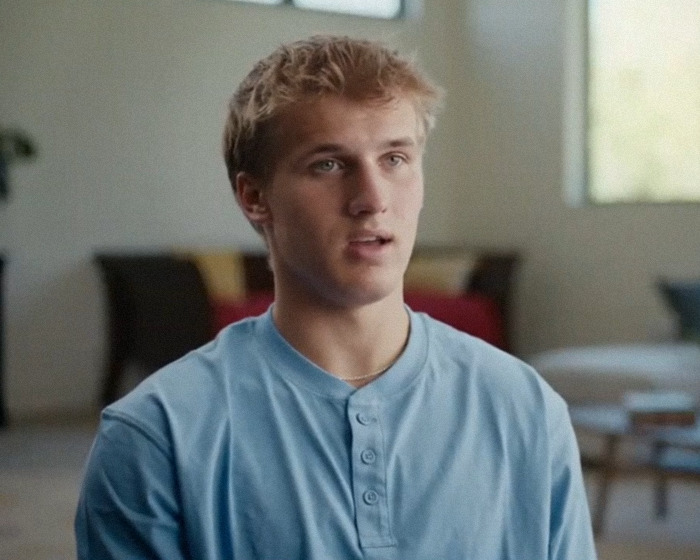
{"x":161,"y":304}
{"x":604,"y":373}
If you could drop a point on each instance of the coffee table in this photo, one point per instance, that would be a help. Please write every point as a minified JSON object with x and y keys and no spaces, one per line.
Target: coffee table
{"x":675,"y":451}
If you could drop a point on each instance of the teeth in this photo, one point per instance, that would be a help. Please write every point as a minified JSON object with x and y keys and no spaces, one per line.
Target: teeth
{"x":371,"y":239}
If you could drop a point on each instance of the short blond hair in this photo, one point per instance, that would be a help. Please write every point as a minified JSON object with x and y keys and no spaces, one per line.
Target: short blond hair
{"x":357,"y":69}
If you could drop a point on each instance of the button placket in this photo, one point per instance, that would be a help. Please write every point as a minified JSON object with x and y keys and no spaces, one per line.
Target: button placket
{"x":369,"y":477}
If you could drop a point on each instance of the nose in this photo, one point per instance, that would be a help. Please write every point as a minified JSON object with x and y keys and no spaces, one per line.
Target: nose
{"x":368,"y":191}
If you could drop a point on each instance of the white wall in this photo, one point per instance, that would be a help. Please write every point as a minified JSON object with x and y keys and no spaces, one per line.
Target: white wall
{"x":590,"y":271}
{"x":125,"y":99}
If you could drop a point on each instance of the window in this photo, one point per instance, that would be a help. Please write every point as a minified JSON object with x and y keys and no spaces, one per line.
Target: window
{"x":386,"y":9}
{"x":640,"y":97}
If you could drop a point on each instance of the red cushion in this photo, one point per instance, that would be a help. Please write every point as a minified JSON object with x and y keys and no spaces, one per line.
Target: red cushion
{"x":227,"y":311}
{"x":475,"y":314}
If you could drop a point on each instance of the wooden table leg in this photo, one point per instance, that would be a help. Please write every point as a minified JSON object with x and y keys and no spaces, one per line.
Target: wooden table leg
{"x":660,"y":481}
{"x":607,"y":473}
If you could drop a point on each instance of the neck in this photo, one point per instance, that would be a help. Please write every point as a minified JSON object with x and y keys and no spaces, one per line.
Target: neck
{"x":355,"y":344}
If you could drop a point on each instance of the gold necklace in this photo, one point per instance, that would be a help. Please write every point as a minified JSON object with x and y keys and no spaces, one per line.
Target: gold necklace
{"x":367,"y":375}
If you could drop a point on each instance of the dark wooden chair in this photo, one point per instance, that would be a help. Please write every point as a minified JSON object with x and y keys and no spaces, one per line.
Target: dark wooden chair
{"x":157,"y":311}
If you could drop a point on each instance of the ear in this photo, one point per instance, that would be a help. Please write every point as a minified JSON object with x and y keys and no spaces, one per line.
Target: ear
{"x":250,"y":196}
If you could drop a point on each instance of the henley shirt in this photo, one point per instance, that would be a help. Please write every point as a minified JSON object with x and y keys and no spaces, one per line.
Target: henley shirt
{"x":246,"y":450}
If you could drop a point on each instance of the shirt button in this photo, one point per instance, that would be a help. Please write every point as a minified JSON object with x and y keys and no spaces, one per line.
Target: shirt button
{"x":370,"y":497}
{"x":368,"y":456}
{"x":364,"y":419}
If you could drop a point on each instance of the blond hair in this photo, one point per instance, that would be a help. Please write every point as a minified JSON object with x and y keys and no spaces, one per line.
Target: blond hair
{"x":321,"y":65}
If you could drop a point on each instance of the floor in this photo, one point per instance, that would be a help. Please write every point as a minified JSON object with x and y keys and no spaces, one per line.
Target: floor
{"x":40,"y":471}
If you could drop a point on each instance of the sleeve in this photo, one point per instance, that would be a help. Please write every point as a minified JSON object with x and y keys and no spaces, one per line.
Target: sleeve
{"x":128,"y":505}
{"x":571,"y":535}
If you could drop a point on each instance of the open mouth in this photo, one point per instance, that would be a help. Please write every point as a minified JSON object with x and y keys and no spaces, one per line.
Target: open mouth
{"x":372,"y":240}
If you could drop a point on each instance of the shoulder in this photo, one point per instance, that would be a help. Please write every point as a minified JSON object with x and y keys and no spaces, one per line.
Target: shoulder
{"x":193,"y":392}
{"x":474,"y":366}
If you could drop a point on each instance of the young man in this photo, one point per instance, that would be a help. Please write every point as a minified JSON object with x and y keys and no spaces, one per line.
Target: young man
{"x":340,"y":424}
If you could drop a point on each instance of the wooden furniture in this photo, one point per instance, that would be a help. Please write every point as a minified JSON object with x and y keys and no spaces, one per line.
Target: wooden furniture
{"x":674,"y":451}
{"x":157,"y":310}
{"x":159,"y":307}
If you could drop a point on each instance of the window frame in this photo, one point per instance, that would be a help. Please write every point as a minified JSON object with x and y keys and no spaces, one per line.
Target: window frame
{"x":402,"y":12}
{"x":575,"y":172}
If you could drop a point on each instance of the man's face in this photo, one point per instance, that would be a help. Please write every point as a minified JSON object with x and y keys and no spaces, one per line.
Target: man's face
{"x":344,"y":199}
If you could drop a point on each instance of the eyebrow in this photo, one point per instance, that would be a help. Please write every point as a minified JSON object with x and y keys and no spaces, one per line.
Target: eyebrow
{"x":404,"y":142}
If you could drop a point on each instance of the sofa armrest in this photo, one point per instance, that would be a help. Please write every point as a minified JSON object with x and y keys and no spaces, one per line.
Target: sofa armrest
{"x":157,"y":310}
{"x":491,"y":274}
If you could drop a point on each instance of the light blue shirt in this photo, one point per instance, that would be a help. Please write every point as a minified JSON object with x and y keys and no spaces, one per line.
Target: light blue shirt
{"x":245,"y":450}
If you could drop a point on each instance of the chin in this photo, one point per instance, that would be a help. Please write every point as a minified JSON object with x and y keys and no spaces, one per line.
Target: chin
{"x":359,"y":296}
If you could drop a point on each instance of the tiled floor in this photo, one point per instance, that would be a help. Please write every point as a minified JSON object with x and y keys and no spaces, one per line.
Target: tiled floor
{"x":40,"y":470}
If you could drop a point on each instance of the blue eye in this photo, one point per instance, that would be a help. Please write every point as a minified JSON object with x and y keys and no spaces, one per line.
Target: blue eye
{"x":325,"y":165}
{"x":395,"y":160}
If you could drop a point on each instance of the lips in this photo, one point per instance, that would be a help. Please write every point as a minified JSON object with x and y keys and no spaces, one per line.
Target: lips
{"x":371,"y":238}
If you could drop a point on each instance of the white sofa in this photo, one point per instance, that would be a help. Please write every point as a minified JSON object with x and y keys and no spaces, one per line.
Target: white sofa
{"x":605,"y":373}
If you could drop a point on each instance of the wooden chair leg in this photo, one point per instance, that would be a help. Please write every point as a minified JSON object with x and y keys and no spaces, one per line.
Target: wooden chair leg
{"x":660,"y":482}
{"x":606,"y":475}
